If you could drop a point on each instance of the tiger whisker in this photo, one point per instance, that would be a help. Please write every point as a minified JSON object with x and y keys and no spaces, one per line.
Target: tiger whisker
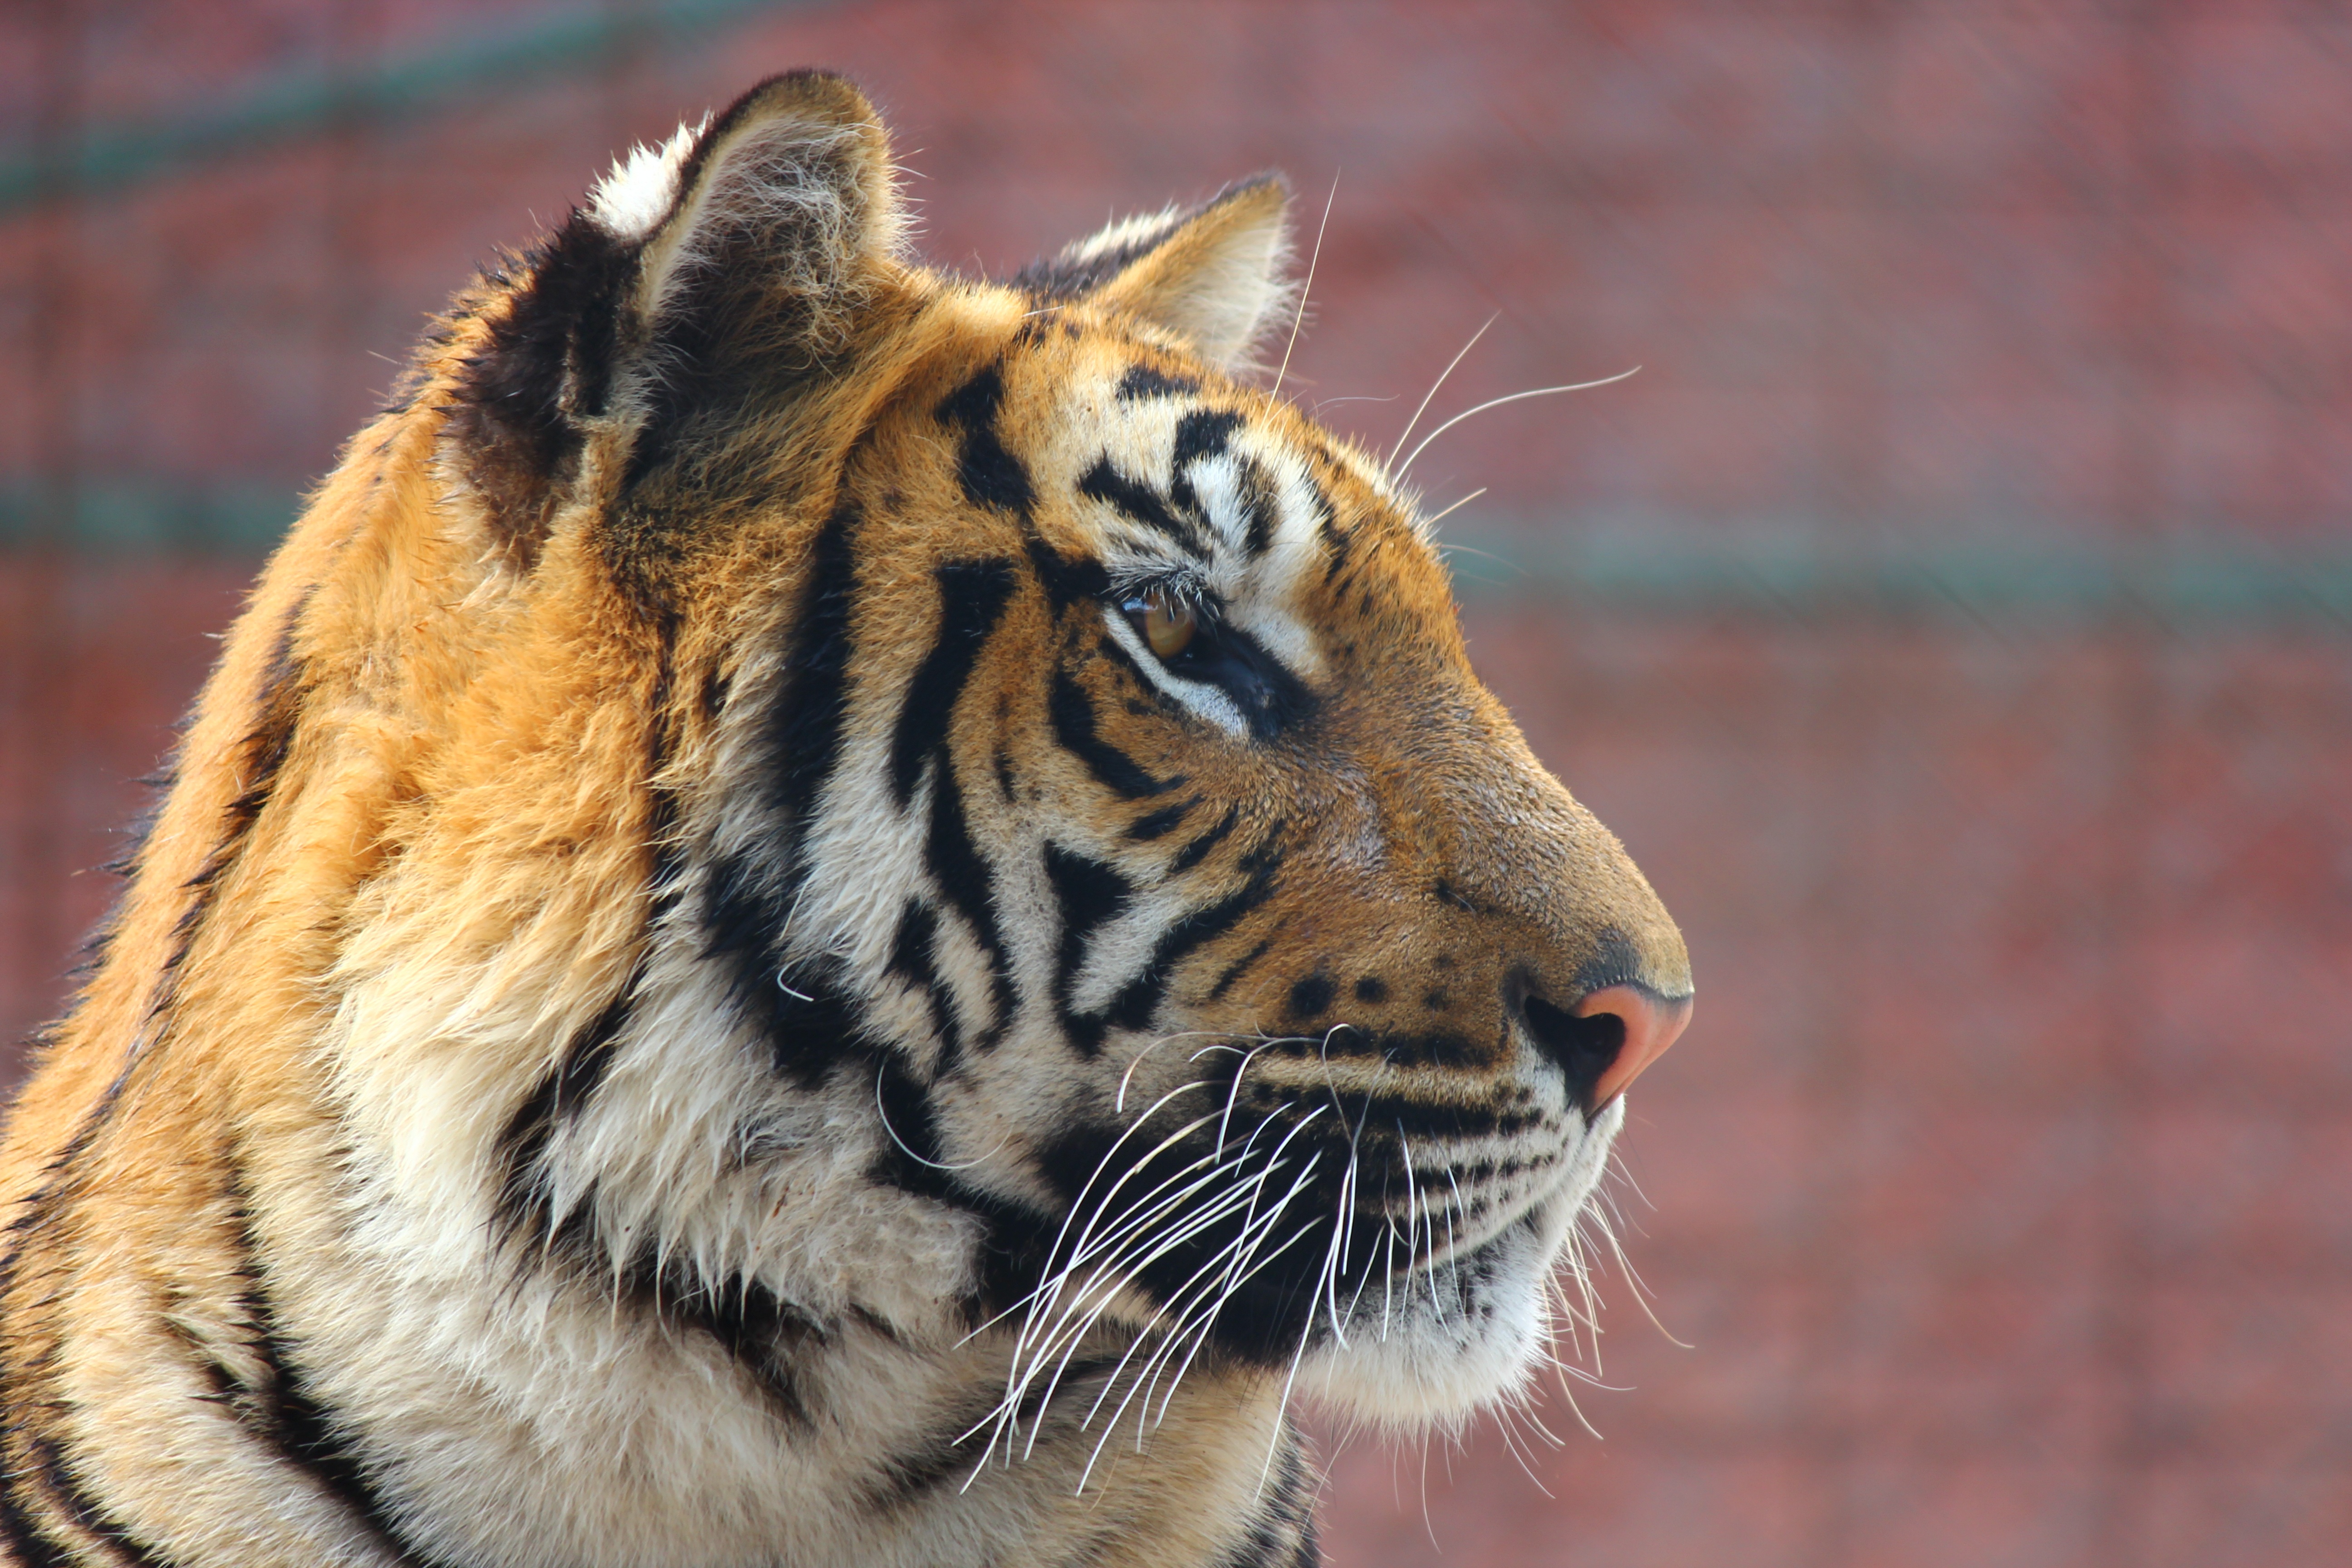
{"x":1289,"y":1382}
{"x":882,"y":1111}
{"x":1398,"y":476}
{"x":1299,"y":313}
{"x":1049,"y":1316}
{"x":1238,"y":1279}
{"x":1034,"y":1347}
{"x":1436,"y":518}
{"x":1053,"y":1278}
{"x":1406,"y":433}
{"x":1077,"y":1335}
{"x":1068,"y":1327}
{"x":1178,"y":1301}
{"x":1252,"y":1233}
{"x":1207,"y":1319}
{"x":1247,"y":1265}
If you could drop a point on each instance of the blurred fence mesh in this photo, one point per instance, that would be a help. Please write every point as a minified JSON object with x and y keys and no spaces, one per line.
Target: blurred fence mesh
{"x":1952,"y":616}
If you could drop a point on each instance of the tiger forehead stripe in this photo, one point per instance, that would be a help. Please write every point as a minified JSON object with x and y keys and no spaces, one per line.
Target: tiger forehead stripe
{"x":880,"y":908}
{"x":1172,"y":481}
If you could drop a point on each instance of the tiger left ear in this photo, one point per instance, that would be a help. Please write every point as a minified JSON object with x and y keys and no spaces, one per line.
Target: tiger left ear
{"x":1217,"y":276}
{"x":740,"y":252}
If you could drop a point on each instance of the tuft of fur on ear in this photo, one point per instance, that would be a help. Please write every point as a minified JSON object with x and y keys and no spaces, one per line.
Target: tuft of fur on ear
{"x":738,"y":252}
{"x":1216,"y":275}
{"x":787,"y":193}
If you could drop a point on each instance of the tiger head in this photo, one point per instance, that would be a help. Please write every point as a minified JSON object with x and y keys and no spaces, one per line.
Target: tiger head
{"x":1032,"y":871}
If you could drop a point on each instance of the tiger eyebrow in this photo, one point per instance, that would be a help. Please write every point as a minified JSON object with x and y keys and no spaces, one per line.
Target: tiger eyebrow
{"x":1182,"y":579}
{"x":1138,"y":503}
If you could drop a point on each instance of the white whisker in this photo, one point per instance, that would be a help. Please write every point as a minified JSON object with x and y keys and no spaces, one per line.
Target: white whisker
{"x":1432,"y":521}
{"x":1299,"y":314}
{"x":1406,"y":433}
{"x":1406,"y":466}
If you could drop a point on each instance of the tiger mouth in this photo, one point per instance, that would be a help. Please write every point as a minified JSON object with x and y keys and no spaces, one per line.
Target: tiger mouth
{"x":1263,"y":1235}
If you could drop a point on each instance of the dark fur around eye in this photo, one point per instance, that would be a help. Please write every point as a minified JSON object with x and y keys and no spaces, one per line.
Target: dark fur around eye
{"x":1270,"y":696}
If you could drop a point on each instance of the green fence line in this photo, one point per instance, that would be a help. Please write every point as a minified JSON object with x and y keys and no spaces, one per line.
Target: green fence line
{"x":1672,"y":568}
{"x":110,"y":156}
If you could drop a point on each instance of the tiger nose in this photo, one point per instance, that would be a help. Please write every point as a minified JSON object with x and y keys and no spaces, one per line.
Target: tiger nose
{"x":1652,"y":1022}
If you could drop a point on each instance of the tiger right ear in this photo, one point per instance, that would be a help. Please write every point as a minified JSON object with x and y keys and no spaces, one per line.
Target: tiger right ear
{"x":755,"y":235}
{"x":1217,"y":276}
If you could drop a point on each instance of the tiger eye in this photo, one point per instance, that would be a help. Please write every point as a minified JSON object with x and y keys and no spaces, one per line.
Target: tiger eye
{"x":1167,"y":626}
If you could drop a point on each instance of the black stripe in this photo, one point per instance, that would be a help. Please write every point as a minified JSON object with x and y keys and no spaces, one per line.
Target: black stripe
{"x":910,"y":1130}
{"x":307,"y":1433}
{"x":1203,"y":433}
{"x":1282,"y":1535}
{"x":20,"y":1397}
{"x":1238,"y":968}
{"x":271,"y":741}
{"x":812,"y":1028}
{"x":1258,"y":494}
{"x":262,"y":756}
{"x":1066,"y":580}
{"x":1141,"y":381}
{"x":1088,"y":893}
{"x":964,"y":879}
{"x":1138,"y":503}
{"x":27,"y":1547}
{"x":972,"y":594}
{"x":1327,"y":522}
{"x":747,"y":898}
{"x":1133,"y":1007}
{"x":1383,"y":1116}
{"x":523,"y":1199}
{"x":1193,"y":854}
{"x":911,"y":960}
{"x":991,"y":476}
{"x":801,"y":738}
{"x":1073,"y":714}
{"x":85,"y":1512}
{"x":758,"y":1329}
{"x":1054,"y":281}
{"x":1161,"y":822}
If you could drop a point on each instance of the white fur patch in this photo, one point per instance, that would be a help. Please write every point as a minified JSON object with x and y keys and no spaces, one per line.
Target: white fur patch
{"x":1136,"y":231}
{"x":642,"y":187}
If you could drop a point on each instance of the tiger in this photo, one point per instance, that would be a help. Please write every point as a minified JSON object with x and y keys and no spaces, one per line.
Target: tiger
{"x":820,"y":912}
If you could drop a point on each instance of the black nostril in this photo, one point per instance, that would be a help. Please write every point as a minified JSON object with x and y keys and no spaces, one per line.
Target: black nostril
{"x":1584,"y":1048}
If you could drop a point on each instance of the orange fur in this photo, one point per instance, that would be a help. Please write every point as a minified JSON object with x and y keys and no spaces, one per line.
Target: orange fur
{"x":347,"y":1086}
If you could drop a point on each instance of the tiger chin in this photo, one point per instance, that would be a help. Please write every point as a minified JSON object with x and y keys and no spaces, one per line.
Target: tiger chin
{"x":821,"y":913}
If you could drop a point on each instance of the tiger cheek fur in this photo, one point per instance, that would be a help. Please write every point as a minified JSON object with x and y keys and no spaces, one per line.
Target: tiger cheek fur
{"x":823,"y":914}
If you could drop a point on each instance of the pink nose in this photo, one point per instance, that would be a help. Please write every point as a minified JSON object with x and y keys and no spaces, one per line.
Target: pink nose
{"x":1651,"y":1023}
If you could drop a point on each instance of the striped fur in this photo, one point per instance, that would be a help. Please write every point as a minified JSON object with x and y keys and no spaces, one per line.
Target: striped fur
{"x":701,"y":996}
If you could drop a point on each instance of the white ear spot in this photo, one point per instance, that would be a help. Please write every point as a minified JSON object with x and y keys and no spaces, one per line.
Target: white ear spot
{"x":643,"y":186}
{"x":1138,"y":232}
{"x":1216,"y":275}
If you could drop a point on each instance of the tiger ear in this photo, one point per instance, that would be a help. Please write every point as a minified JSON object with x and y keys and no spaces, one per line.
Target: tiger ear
{"x":757,"y":234}
{"x":1217,"y":276}
{"x":783,"y":200}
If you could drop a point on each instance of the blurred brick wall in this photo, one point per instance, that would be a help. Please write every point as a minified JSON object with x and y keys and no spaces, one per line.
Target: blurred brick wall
{"x":1999,"y":1188}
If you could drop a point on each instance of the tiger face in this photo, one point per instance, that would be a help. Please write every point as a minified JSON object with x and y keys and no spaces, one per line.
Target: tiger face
{"x":1098,"y":805}
{"x":811,"y":889}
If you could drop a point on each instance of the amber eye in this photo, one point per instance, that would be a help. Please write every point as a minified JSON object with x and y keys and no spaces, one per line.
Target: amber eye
{"x":1165,"y":625}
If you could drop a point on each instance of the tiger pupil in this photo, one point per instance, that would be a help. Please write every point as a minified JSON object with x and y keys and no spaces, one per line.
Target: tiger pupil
{"x":1165,"y":625}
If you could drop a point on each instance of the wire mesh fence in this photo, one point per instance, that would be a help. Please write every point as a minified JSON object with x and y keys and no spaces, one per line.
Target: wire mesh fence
{"x":1950,"y":617}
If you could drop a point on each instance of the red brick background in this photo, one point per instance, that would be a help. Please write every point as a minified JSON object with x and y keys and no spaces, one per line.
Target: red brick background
{"x":2002,"y":1191}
